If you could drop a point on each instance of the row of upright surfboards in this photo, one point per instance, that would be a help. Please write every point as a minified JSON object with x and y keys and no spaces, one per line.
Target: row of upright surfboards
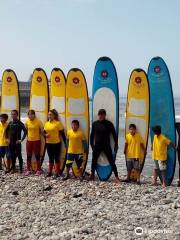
{"x":149,"y":102}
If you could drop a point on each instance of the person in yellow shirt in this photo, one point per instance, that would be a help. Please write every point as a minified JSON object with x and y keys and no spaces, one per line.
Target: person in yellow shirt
{"x":54,"y":131}
{"x":3,"y":138}
{"x":159,"y":154}
{"x":132,"y":150}
{"x":33,"y":145}
{"x":76,"y":146}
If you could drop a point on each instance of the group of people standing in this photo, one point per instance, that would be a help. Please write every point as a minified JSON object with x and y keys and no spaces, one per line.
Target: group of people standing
{"x":13,"y":133}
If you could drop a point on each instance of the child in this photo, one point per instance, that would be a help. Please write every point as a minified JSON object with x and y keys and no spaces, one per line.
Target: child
{"x":76,"y":143}
{"x":132,"y":150}
{"x":3,"y":139}
{"x":13,"y":132}
{"x":33,"y":145}
{"x":159,"y":154}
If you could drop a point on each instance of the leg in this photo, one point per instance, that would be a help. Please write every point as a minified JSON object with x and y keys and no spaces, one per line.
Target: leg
{"x":69,"y":162}
{"x":179,"y":161}
{"x":2,"y":154}
{"x":79,"y":161}
{"x":155,"y":172}
{"x":19,"y":155}
{"x":50,"y":153}
{"x":129,"y":164}
{"x":37,"y":149}
{"x":57,"y":151}
{"x":12,"y":156}
{"x":109,"y":155}
{"x":96,"y":152}
{"x":136,"y":165}
{"x":29,"y":155}
{"x":162,"y":166}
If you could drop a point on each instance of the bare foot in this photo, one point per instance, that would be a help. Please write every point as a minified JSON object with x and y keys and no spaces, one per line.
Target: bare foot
{"x":117,"y":180}
{"x":92,"y":177}
{"x":154,"y":183}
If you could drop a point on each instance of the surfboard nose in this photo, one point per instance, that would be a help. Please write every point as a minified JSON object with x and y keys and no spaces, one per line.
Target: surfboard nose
{"x":38,"y":69}
{"x":56,"y":69}
{"x":9,"y":70}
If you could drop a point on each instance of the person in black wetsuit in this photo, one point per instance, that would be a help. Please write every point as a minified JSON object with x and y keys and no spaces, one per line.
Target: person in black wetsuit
{"x":100,"y":142}
{"x":178,"y":148}
{"x":13,"y":133}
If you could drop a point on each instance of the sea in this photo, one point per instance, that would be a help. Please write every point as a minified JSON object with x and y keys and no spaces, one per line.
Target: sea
{"x":120,"y":159}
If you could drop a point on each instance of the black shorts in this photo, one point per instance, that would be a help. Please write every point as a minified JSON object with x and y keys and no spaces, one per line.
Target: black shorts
{"x":71,"y":157}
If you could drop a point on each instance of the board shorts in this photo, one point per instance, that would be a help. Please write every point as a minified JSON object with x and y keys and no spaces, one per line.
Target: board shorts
{"x":71,"y":157}
{"x":4,"y":150}
{"x":33,"y":147}
{"x":160,"y":165}
{"x":133,"y":163}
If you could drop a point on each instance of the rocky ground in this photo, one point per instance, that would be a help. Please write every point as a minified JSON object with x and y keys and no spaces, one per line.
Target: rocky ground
{"x":44,"y":209}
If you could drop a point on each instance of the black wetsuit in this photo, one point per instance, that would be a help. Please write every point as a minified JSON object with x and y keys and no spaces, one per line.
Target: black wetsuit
{"x":178,"y":130}
{"x":100,"y":142}
{"x":13,"y":133}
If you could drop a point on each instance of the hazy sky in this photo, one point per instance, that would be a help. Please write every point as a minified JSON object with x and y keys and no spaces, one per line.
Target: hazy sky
{"x":75,"y":33}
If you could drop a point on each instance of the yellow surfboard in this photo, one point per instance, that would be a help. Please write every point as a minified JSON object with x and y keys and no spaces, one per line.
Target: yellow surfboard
{"x":137,"y":108}
{"x":39,"y":101}
{"x":77,"y":107}
{"x":58,"y":102}
{"x":10,"y":99}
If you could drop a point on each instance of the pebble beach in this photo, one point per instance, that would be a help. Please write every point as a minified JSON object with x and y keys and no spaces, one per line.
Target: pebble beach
{"x":37,"y":208}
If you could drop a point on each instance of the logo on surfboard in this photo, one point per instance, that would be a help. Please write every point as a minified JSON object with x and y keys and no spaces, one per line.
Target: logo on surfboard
{"x":9,"y":79}
{"x":157,"y":69}
{"x":76,"y":80}
{"x":39,"y":79}
{"x":104,"y":74}
{"x":57,"y":79}
{"x":138,"y":80}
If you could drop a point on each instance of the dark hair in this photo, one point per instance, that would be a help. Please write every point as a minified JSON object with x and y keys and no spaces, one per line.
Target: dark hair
{"x":102,"y":112}
{"x":132,"y":125}
{"x":4,"y":115}
{"x":15,"y":111}
{"x":75,"y":122}
{"x":55,"y":113}
{"x":156,"y":130}
{"x":31,"y":111}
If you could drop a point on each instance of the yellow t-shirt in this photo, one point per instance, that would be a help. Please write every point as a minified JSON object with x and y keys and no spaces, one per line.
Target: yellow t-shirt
{"x":75,"y":141}
{"x":53,"y":128}
{"x":3,"y":140}
{"x":134,"y":145}
{"x":33,"y":128}
{"x":160,"y":144}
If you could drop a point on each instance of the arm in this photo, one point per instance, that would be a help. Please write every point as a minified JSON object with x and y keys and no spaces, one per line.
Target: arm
{"x":143,"y":147}
{"x":125,"y":148}
{"x":92,"y":137}
{"x":63,"y":136}
{"x":24,"y":132}
{"x":7,"y":134}
{"x":173,"y":145}
{"x":85,"y":146}
{"x":113,"y":131}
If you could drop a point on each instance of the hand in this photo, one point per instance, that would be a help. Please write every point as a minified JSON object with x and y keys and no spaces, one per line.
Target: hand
{"x":8,"y":141}
{"x":18,"y":141}
{"x":47,"y":135}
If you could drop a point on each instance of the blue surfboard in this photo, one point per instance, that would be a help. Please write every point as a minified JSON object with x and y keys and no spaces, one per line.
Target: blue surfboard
{"x":162,"y":108}
{"x":105,"y":95}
